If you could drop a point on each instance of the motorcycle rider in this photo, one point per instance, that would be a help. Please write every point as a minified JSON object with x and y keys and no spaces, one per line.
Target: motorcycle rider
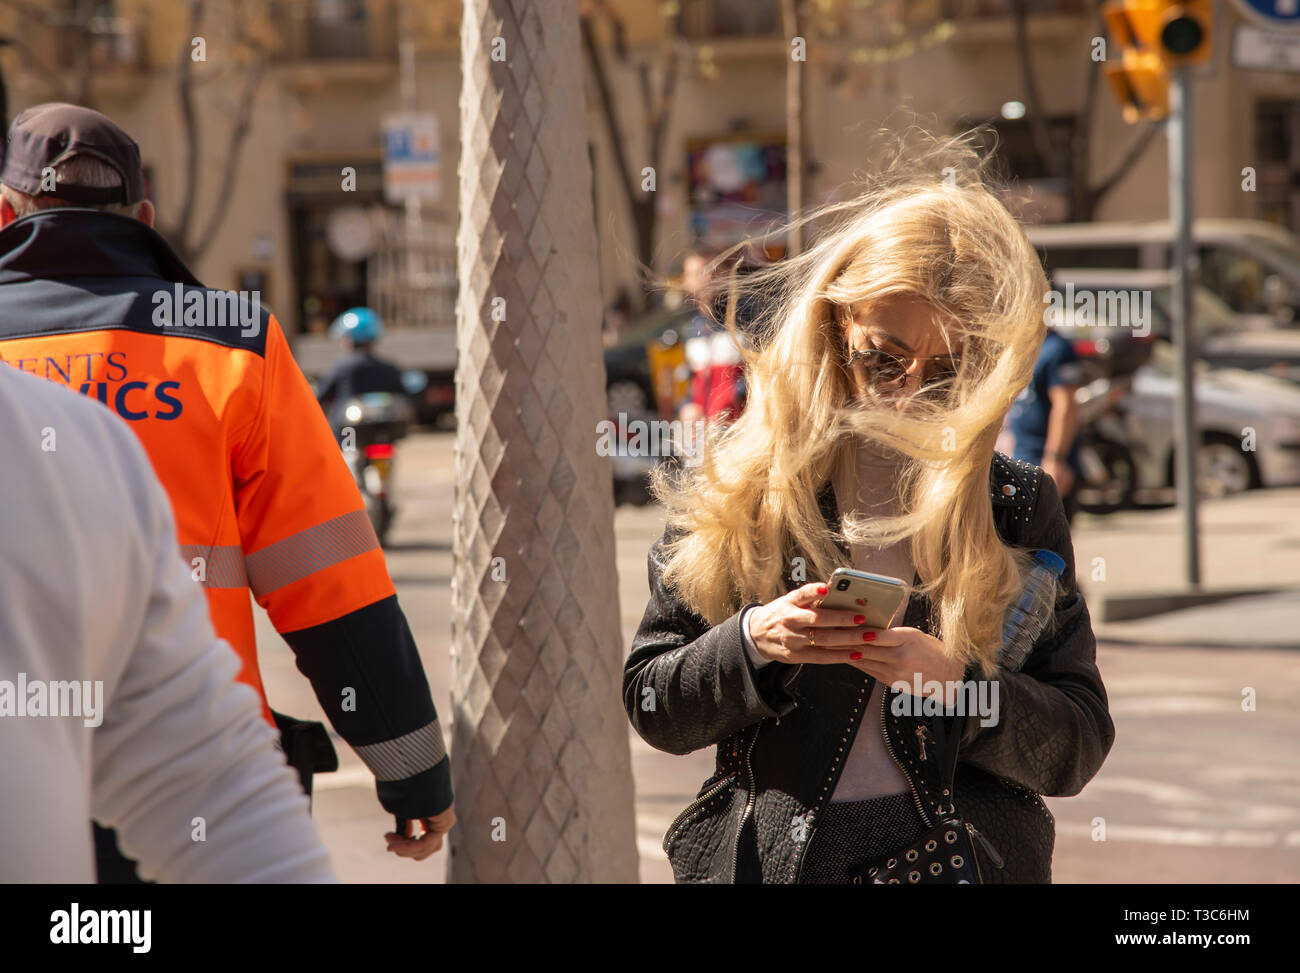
{"x":92,"y":297}
{"x":361,"y":370}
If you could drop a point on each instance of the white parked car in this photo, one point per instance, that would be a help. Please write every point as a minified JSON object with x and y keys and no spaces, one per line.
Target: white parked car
{"x":1249,"y":424}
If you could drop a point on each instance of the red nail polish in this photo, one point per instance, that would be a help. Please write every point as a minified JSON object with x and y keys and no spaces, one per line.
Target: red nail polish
{"x":868,"y":636}
{"x":855,"y":656}
{"x":821,"y":589}
{"x":859,"y":619}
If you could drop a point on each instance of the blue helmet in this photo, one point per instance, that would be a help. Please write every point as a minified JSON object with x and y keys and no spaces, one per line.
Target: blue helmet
{"x":360,"y":324}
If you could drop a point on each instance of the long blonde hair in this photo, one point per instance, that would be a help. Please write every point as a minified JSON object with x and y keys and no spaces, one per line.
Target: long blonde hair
{"x":927,"y":225}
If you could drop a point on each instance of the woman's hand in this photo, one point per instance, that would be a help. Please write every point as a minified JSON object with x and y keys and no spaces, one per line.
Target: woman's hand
{"x":904,"y":654}
{"x":795,"y":628}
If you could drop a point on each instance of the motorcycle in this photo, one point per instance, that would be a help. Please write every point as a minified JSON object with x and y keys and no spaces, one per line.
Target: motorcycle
{"x":1108,"y":474}
{"x":368,"y":430}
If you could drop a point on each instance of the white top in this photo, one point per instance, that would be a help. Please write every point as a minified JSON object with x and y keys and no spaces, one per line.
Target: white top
{"x":93,"y":590}
{"x":869,"y":771}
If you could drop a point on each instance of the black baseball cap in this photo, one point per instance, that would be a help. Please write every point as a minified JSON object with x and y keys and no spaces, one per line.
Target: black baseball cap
{"x":46,"y":135}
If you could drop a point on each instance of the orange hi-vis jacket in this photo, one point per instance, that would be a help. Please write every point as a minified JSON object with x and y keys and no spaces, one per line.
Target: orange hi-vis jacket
{"x":262,"y":496}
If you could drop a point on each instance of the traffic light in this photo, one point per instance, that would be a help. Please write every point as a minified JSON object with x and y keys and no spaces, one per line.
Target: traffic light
{"x":1140,"y":84}
{"x":1185,"y":32}
{"x":1153,"y":36}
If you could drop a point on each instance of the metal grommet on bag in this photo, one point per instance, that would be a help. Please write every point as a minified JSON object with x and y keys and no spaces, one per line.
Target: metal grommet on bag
{"x":912,"y":855}
{"x":956,"y":861}
{"x":935,"y":868}
{"x":914,"y":877}
{"x":931,"y":845}
{"x":950,"y":836}
{"x":891,"y":863}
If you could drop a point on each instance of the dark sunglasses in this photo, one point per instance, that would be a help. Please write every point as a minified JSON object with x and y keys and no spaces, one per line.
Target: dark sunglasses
{"x":887,"y":373}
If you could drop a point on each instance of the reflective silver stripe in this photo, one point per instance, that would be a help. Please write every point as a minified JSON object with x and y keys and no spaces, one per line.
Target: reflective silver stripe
{"x":406,"y":756}
{"x":222,"y":564}
{"x":309,"y":551}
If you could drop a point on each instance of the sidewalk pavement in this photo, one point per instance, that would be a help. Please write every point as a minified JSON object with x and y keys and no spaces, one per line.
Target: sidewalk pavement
{"x":1129,"y":563}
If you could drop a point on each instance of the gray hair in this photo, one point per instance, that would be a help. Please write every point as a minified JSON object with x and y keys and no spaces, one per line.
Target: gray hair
{"x":82,"y":170}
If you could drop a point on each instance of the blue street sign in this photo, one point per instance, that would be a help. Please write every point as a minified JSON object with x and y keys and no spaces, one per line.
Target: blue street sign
{"x":1275,"y":14}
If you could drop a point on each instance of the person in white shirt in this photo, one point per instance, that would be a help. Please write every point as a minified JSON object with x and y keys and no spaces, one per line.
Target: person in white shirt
{"x":117,"y":700}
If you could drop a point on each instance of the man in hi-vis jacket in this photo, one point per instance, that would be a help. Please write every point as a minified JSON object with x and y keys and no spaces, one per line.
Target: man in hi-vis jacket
{"x":93,"y":298}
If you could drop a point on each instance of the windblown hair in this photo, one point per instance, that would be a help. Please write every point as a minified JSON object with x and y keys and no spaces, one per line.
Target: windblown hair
{"x":927,"y":225}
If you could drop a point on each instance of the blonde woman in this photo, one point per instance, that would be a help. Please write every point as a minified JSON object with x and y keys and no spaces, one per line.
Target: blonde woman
{"x":889,"y":356}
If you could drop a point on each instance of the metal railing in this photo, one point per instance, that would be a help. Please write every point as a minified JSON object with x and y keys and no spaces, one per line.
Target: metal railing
{"x":412,"y":272}
{"x":968,"y":9}
{"x":711,"y":19}
{"x":104,"y":44}
{"x":346,"y":29}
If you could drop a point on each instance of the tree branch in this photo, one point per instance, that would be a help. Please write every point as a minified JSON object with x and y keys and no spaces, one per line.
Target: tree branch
{"x":1130,"y":157}
{"x":41,"y":18}
{"x":189,"y":129}
{"x":238,"y":135}
{"x":608,"y":111}
{"x":1038,"y":128}
{"x":1081,"y":201}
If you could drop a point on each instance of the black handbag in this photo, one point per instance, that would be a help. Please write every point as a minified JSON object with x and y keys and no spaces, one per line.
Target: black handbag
{"x":943,"y":855}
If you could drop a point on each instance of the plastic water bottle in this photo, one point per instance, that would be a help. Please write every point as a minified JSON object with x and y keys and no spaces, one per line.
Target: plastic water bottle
{"x":1027,"y":617}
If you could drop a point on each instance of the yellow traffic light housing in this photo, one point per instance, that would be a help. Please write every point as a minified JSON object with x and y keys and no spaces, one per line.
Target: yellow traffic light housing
{"x":1140,"y":85}
{"x":1134,"y":23}
{"x":1153,"y":36}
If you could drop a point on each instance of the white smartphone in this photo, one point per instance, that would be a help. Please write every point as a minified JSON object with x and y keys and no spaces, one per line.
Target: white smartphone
{"x":876,"y":596}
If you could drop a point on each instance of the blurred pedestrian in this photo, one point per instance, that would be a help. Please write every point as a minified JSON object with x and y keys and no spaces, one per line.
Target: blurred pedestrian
{"x":904,"y":334}
{"x":93,"y":298}
{"x":717,"y":387}
{"x":1044,"y":419}
{"x":117,"y":699}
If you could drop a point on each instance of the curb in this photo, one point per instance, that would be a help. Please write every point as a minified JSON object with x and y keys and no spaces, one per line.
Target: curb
{"x":1133,"y":607}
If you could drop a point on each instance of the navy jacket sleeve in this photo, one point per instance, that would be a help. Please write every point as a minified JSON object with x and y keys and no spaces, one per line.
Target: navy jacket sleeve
{"x":400,"y":740}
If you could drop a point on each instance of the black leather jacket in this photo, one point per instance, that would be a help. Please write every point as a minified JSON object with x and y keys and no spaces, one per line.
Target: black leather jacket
{"x":782,"y":732}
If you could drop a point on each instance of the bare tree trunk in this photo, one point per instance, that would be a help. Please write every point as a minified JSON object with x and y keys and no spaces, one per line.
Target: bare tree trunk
{"x":796,"y":129}
{"x":657,"y":107}
{"x":191,"y":241}
{"x":541,"y":760}
{"x":1038,"y":125}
